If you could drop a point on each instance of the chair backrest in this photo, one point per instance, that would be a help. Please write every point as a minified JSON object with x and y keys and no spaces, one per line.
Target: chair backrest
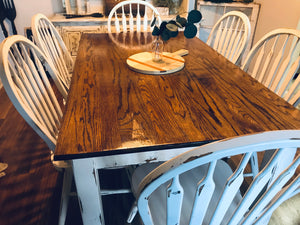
{"x":274,"y":60}
{"x":230,"y":35}
{"x":49,"y":40}
{"x":25,"y":79}
{"x":140,"y":15}
{"x":199,"y":186}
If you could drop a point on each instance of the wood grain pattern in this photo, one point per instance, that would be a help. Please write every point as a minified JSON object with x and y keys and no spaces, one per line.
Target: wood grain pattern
{"x":111,"y":108}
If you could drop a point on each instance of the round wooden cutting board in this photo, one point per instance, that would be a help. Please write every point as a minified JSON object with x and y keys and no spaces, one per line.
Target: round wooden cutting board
{"x":142,"y":63}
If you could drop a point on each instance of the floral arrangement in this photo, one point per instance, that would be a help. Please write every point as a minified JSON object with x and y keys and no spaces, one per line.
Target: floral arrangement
{"x":169,"y":29}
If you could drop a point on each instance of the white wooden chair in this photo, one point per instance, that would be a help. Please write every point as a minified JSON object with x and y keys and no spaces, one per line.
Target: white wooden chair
{"x":199,"y":187}
{"x":49,"y":40}
{"x":22,"y":72}
{"x":132,"y":15}
{"x":230,"y":35}
{"x":274,"y":61}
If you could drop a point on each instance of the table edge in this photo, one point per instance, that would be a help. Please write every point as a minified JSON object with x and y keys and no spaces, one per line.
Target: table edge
{"x":123,"y":151}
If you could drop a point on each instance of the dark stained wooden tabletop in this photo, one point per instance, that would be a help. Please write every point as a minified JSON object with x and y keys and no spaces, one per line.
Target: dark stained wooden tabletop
{"x":112,"y":109}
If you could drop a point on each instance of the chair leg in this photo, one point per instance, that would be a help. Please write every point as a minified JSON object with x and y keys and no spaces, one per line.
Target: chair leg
{"x":65,"y":194}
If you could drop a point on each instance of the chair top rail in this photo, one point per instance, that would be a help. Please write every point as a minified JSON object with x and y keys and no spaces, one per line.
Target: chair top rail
{"x":246,"y":143}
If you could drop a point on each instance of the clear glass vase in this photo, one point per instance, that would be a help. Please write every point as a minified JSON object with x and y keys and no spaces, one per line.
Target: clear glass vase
{"x":157,"y":50}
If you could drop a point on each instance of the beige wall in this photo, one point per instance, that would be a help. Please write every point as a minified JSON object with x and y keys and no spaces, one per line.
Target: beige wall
{"x":277,"y":14}
{"x":26,"y":9}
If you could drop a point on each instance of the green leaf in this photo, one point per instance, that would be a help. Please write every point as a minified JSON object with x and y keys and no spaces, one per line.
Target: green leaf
{"x":163,"y":25}
{"x":194,"y":16}
{"x":190,"y":30}
{"x":179,"y":25}
{"x":172,"y":22}
{"x":156,"y":31}
{"x":165,"y":35}
{"x":173,"y":33}
{"x":172,"y":27}
{"x":182,"y":21}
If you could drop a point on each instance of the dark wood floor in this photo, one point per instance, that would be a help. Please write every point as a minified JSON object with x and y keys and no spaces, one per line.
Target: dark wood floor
{"x":30,"y":191}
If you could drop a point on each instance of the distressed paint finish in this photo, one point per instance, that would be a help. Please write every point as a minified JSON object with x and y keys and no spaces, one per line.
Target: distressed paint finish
{"x":86,"y":178}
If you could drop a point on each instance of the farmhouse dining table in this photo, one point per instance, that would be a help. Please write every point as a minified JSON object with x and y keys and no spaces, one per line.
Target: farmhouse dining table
{"x":116,"y":117}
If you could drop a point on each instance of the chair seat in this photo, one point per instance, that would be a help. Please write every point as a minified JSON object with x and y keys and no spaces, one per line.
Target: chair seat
{"x":189,"y":180}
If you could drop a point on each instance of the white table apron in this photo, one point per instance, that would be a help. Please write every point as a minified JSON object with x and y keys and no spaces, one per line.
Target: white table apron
{"x":88,"y":183}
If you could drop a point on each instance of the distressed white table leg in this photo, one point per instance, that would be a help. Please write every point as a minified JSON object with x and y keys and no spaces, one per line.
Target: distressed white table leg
{"x":87,"y":185}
